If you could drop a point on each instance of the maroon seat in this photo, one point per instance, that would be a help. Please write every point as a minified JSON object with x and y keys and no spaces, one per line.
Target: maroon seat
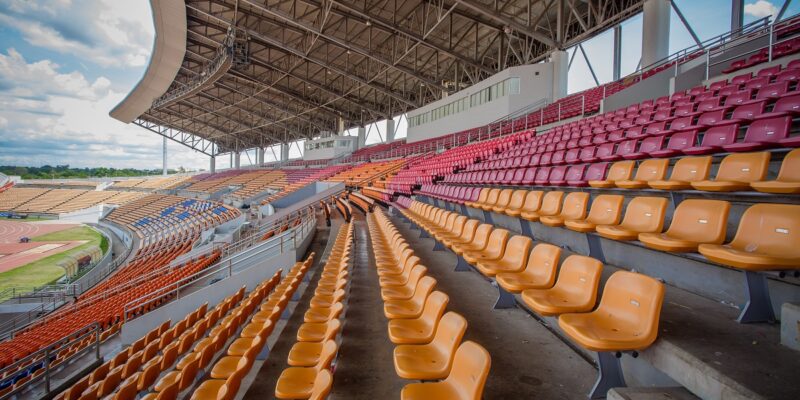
{"x":588,"y":154}
{"x":646,"y":148}
{"x":773,"y":90}
{"x":557,"y":176}
{"x":757,"y":83}
{"x":714,"y":138}
{"x":530,"y":176}
{"x":789,"y":75}
{"x":635,"y":132}
{"x":507,"y":178}
{"x":746,"y":112}
{"x":676,"y":144}
{"x":739,"y":98}
{"x":681,"y":123}
{"x":605,"y":152}
{"x":617,"y":136}
{"x":788,"y":105}
{"x":685,"y":110}
{"x":600,"y":138}
{"x":572,"y":156}
{"x":742,"y":79}
{"x":546,"y":159}
{"x":594,"y":172}
{"x":657,"y":128}
{"x":492,"y":178}
{"x":519,"y":175}
{"x":769,"y":71}
{"x":574,"y":176}
{"x":558,"y":157}
{"x":542,"y":175}
{"x":763,"y":133}
{"x":625,"y":148}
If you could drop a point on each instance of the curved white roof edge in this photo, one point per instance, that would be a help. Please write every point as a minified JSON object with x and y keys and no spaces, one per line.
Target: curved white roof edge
{"x":169,"y":48}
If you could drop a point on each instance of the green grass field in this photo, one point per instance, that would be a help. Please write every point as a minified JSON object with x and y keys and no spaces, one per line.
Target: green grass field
{"x":46,"y":271}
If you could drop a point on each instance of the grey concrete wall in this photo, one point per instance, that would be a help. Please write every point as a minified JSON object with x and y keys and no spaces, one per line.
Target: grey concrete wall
{"x":650,"y":88}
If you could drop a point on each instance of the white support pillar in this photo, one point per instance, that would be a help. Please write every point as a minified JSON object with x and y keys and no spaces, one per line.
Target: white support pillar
{"x":737,"y":15}
{"x":655,"y":31}
{"x":390,"y":129}
{"x":560,"y":63}
{"x":237,"y":156}
{"x":164,"y":154}
{"x":230,"y":159}
{"x":617,"y":66}
{"x":362,"y":137}
{"x":340,"y":125}
{"x":212,"y":164}
{"x":260,"y":155}
{"x":284,"y":151}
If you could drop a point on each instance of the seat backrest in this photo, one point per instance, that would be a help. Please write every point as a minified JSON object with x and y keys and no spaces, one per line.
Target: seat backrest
{"x":720,"y":135}
{"x":691,"y":169}
{"x":483,"y":195}
{"x":517,"y":250}
{"x":652,"y":170}
{"x":631,"y":304}
{"x":435,"y":306}
{"x":790,"y":167}
{"x":606,"y":209}
{"x":645,"y":214}
{"x":504,"y":197}
{"x":533,"y":200}
{"x":551,"y":203}
{"x":575,"y":205}
{"x":744,"y":167}
{"x":596,"y":172}
{"x":580,"y":275}
{"x":620,"y":171}
{"x":468,"y":233}
{"x":517,"y":199}
{"x":682,"y":140}
{"x":768,"y":129}
{"x":492,"y":197}
{"x":471,"y":366}
{"x":543,"y":263}
{"x":326,"y":356}
{"x":449,"y":334}
{"x":458,"y":225}
{"x":769,"y":229}
{"x":322,"y":385}
{"x":701,"y":221}
{"x":495,"y":246}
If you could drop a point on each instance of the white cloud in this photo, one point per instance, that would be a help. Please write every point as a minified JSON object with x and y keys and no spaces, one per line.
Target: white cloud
{"x":105,"y":32}
{"x":761,"y":9}
{"x":52,"y":117}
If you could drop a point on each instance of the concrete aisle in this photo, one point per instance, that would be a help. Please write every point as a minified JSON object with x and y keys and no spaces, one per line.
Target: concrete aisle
{"x":528,"y":360}
{"x":365,"y":368}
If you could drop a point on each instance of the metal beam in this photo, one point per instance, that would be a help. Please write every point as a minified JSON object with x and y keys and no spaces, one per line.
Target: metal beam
{"x":525,"y":30}
{"x":686,"y":24}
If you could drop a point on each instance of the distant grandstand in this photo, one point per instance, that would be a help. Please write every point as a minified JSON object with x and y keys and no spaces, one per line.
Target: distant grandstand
{"x":638,"y":239}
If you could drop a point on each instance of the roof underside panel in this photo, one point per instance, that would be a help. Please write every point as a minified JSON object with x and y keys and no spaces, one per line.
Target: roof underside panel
{"x":300,"y":65}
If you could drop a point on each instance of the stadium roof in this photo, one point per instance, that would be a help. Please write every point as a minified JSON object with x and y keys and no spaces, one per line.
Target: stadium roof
{"x":256,"y":73}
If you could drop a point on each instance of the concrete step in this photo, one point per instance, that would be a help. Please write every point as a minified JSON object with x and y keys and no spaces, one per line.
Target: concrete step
{"x":650,"y":393}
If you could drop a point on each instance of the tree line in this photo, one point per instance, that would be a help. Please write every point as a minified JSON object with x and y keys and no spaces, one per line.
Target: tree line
{"x":65,"y":172}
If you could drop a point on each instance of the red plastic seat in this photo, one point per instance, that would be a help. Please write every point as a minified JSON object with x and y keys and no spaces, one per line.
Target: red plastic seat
{"x":763,"y":133}
{"x":714,"y":138}
{"x":646,"y":148}
{"x":676,"y":144}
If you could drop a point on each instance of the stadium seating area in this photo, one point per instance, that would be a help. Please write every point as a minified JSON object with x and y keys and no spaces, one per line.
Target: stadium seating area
{"x":54,"y":201}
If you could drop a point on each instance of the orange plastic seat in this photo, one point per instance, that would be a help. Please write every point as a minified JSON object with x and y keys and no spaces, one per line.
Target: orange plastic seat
{"x":404,"y":292}
{"x":766,"y":239}
{"x":539,"y":272}
{"x":619,"y":171}
{"x":466,"y":380}
{"x":694,"y":221}
{"x":478,"y":241}
{"x":322,"y":385}
{"x":491,"y":200}
{"x":574,"y":291}
{"x":574,"y":208}
{"x":684,"y":172}
{"x":532,"y":204}
{"x":298,"y":382}
{"x":494,"y":250}
{"x":306,"y":354}
{"x":788,"y":180}
{"x":454,"y":231}
{"x":737,"y":172}
{"x":228,"y":365}
{"x":644,"y":214}
{"x":606,"y":210}
{"x":516,"y":203}
{"x":502,"y":201}
{"x":626,"y":319}
{"x":481,"y":198}
{"x":411,"y":308}
{"x":432,"y":360}
{"x":514,"y":258}
{"x":420,"y":330}
{"x":649,"y":170}
{"x":551,"y":205}
{"x":467,"y":233}
{"x":223,"y":389}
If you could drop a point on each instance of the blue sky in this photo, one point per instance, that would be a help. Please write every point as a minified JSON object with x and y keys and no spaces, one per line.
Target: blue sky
{"x":65,"y":63}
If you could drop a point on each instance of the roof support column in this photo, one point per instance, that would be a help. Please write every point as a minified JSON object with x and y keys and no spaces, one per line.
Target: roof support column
{"x":737,"y":15}
{"x":560,"y":63}
{"x":164,"y":155}
{"x":617,"y":67}
{"x":237,"y":158}
{"x":362,"y":137}
{"x":212,"y":164}
{"x":655,"y":31}
{"x":390,"y":129}
{"x":284,"y":151}
{"x":340,"y":125}
{"x":260,"y":156}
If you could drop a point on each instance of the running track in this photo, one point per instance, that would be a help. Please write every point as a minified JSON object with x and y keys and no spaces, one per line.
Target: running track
{"x":11,"y":231}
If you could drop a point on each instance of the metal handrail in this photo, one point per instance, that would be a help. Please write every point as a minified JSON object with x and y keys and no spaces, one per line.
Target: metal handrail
{"x":228,"y":265}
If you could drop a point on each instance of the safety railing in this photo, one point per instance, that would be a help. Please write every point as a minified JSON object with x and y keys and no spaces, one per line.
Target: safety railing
{"x":276,"y":245}
{"x":770,"y":31}
{"x":48,"y":360}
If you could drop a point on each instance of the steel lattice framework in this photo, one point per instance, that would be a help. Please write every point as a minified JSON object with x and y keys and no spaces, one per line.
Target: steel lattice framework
{"x":310,"y":63}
